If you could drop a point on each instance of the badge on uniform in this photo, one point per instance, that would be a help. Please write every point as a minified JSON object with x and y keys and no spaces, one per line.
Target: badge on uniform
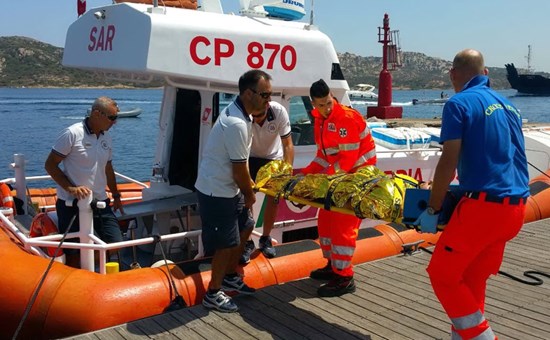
{"x":331,"y":127}
{"x":343,"y":132}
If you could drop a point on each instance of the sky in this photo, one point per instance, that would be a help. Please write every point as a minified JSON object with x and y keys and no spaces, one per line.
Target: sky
{"x":500,"y":29}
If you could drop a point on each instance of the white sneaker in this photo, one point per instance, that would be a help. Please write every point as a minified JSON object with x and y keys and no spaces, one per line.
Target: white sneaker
{"x":219,"y":301}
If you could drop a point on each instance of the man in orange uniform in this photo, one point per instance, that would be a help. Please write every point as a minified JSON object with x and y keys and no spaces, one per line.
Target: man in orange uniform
{"x":344,"y":144}
{"x":482,"y":139}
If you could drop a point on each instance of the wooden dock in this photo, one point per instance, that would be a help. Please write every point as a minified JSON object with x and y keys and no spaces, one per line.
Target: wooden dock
{"x":394,"y":300}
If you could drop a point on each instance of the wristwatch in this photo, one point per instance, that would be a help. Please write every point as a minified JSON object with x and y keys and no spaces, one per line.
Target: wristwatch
{"x":432,"y":211}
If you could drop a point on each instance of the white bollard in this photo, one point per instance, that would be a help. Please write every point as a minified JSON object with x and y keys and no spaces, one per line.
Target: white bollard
{"x":20,"y":179}
{"x":86,"y":220}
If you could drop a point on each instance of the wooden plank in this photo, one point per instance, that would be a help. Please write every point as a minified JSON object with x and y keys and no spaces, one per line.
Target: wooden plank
{"x":394,"y":300}
{"x":185,"y":317}
{"x":404,"y":326}
{"x":326,"y":323}
{"x":174,"y":327}
{"x":222,"y":325}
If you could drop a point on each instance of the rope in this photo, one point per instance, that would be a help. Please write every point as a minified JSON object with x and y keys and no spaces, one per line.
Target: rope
{"x":539,"y":170}
{"x":178,"y":301}
{"x":528,"y":273}
{"x":41,"y":282}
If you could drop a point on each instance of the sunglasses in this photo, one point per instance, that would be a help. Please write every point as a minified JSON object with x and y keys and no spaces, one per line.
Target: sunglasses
{"x":112,"y":118}
{"x":264,"y":95}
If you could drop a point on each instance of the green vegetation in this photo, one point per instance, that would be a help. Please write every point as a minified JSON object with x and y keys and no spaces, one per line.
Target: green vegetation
{"x":31,"y":63}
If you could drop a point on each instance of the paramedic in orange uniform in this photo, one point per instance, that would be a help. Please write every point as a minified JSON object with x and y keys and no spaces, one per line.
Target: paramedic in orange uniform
{"x":344,"y":143}
{"x":482,"y":139}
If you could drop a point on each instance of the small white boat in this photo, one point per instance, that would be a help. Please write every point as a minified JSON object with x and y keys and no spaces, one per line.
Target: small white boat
{"x":126,"y":114}
{"x":430,"y":101}
{"x":362,"y":92}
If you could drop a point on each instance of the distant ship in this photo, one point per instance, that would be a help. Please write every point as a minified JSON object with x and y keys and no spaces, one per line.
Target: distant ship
{"x":533,"y":84}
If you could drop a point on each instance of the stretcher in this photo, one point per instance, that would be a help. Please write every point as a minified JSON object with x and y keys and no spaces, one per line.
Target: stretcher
{"x":300,"y":200}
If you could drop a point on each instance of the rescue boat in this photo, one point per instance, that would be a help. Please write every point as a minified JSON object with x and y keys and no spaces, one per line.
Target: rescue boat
{"x":208,"y":52}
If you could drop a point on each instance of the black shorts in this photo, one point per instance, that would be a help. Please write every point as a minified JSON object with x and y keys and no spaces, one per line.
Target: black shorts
{"x":106,"y":225}
{"x":223,"y":219}
{"x":254,"y":165}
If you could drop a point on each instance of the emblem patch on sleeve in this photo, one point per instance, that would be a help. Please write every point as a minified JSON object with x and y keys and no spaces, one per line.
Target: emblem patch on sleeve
{"x":331,"y":127}
{"x":343,"y":132}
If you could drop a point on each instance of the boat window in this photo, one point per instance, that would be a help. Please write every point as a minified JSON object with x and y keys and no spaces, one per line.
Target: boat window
{"x":301,"y":121}
{"x":220,"y":102}
{"x":184,"y":154}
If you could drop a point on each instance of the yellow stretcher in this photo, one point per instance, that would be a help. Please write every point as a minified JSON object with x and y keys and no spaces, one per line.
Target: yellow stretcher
{"x":300,"y":200}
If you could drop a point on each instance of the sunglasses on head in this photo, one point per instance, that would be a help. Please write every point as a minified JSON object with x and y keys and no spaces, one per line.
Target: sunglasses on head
{"x":264,"y":95}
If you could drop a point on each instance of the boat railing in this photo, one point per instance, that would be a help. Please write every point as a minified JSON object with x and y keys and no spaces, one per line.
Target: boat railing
{"x":34,"y":244}
{"x":20,"y":182}
{"x":88,"y":241}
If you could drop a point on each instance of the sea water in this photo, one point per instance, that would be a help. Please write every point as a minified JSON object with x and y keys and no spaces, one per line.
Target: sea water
{"x":31,"y":119}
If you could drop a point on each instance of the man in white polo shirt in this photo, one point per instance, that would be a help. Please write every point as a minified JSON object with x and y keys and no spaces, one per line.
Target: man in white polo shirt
{"x":85,"y":149}
{"x":271,"y":140}
{"x":224,"y":189}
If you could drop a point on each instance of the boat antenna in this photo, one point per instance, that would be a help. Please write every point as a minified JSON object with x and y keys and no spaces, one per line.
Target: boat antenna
{"x":311,"y":14}
{"x":528,"y":57}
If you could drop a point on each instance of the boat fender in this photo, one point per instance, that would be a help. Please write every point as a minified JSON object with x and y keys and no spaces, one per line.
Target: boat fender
{"x":43,"y":225}
{"x":6,"y":200}
{"x":161,"y":263}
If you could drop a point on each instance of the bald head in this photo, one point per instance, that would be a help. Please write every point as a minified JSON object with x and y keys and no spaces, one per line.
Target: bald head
{"x":467,"y":64}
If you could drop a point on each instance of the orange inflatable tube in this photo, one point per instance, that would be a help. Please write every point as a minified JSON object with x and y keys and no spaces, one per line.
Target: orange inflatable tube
{"x":74,"y":301}
{"x":538,"y":204}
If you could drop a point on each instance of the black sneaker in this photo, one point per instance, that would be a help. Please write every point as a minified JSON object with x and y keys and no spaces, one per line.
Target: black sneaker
{"x":248,"y":250}
{"x":236,"y":284}
{"x":325,"y":273}
{"x":267,"y":247}
{"x":338,"y":286}
{"x":219,"y":301}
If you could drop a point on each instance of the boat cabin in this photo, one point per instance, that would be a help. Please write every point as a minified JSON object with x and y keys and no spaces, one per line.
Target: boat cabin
{"x":200,"y":56}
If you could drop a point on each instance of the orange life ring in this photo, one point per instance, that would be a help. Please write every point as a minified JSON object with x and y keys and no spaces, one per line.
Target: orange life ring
{"x":43,"y":225}
{"x":6,"y":200}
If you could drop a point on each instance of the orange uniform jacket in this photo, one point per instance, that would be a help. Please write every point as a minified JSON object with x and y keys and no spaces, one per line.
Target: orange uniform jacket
{"x":344,"y":141}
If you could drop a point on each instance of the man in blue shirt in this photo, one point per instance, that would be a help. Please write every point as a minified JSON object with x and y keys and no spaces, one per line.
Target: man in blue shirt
{"x":483,"y":140}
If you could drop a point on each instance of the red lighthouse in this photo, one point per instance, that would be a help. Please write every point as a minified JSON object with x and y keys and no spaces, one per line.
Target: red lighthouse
{"x":391,"y":56}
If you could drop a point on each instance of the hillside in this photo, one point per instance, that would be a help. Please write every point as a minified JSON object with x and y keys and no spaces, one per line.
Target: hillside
{"x":31,"y":63}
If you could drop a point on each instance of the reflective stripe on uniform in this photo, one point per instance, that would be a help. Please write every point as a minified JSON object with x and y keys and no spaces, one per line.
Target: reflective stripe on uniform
{"x":326,"y":254}
{"x":325,"y":241}
{"x":365,"y":132}
{"x":348,"y":146}
{"x":365,"y":158}
{"x":455,"y":335}
{"x":343,"y":250}
{"x":331,"y":151}
{"x":7,"y":199}
{"x":468,"y":321}
{"x":340,"y":264}
{"x":321,"y":162}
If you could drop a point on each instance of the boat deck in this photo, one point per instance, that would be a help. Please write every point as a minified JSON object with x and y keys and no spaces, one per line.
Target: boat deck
{"x":394,"y":300}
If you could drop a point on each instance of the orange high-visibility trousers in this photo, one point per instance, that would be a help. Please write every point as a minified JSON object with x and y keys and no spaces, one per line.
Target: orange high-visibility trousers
{"x":469,"y":250}
{"x":337,"y":235}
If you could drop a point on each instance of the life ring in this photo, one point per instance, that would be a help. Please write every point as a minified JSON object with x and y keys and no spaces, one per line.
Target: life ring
{"x":6,"y":200}
{"x":43,"y":225}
